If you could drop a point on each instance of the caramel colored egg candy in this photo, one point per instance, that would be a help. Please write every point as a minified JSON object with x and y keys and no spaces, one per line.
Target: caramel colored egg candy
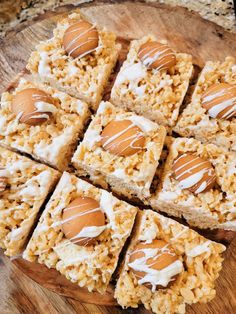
{"x":83,"y":221}
{"x":220,"y":101}
{"x":158,"y":56}
{"x":155,"y":264}
{"x":33,"y":106}
{"x":194,"y":173}
{"x":3,"y":180}
{"x":122,"y":138}
{"x":80,"y":39}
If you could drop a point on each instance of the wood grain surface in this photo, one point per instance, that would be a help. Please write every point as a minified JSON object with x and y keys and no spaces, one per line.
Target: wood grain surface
{"x":186,"y":32}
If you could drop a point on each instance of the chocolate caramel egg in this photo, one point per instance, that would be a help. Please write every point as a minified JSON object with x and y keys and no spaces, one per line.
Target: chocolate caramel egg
{"x":154,"y":264}
{"x":122,"y":138}
{"x":3,"y":180}
{"x":33,"y":106}
{"x":83,"y":221}
{"x":194,"y":173}
{"x":155,"y":55}
{"x":220,"y":101}
{"x":80,"y":39}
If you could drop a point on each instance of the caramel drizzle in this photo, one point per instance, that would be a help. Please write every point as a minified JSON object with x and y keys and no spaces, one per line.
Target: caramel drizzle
{"x":217,"y":108}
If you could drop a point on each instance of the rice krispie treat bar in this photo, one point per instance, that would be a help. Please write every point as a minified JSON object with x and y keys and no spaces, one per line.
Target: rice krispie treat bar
{"x":167,"y":266}
{"x":199,"y":183}
{"x":155,"y":92}
{"x":81,"y":233}
{"x":120,"y":149}
{"x":78,"y":60}
{"x":212,"y":126}
{"x":42,"y":122}
{"x":24,"y":186}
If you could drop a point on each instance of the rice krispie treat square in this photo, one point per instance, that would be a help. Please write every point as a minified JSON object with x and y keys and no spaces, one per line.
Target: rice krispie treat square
{"x":100,"y":154}
{"x":84,"y":76}
{"x":195,"y":121}
{"x":49,"y":132}
{"x":167,"y":266}
{"x":155,"y":94}
{"x":24,"y":186}
{"x":88,"y":265}
{"x":203,"y":188}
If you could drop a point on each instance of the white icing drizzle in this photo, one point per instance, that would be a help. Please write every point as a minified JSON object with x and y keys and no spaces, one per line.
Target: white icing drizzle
{"x":88,"y":232}
{"x":4,"y":173}
{"x":107,"y":202}
{"x":155,"y":277}
{"x":199,"y":249}
{"x":160,"y":54}
{"x":131,"y":72}
{"x":194,"y":178}
{"x":43,"y":67}
{"x":144,"y":124}
{"x":217,"y":108}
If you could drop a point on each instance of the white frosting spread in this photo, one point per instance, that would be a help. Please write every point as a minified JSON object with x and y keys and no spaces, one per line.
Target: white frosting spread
{"x":199,"y":249}
{"x":120,"y":173}
{"x":144,"y":124}
{"x":43,"y":67}
{"x":91,"y":137}
{"x":4,"y":173}
{"x":132,"y":72}
{"x":90,"y":232}
{"x":107,"y":201}
{"x":43,"y":106}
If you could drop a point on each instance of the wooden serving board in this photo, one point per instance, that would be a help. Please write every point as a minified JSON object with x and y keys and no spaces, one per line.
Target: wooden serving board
{"x":186,"y":32}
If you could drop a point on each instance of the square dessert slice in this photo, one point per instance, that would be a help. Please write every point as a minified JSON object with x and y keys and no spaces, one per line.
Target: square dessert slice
{"x":211,"y":115}
{"x":120,"y":149}
{"x":199,"y":183}
{"x":81,"y":233}
{"x":42,"y":122}
{"x":153,"y":81}
{"x":167,"y":266}
{"x":78,"y":59}
{"x":24,"y":186}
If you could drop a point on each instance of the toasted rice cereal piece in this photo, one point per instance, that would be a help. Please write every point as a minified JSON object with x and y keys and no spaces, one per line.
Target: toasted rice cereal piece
{"x":53,"y":141}
{"x":195,"y":122}
{"x":88,"y":266}
{"x":202,"y":263}
{"x":130,"y":175}
{"x":84,"y":77}
{"x":157,"y":95}
{"x":28,"y":184}
{"x":215,"y":208}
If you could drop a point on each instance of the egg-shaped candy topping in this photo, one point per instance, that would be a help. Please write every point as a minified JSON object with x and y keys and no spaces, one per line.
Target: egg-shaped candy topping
{"x":33,"y":106}
{"x":158,"y":56}
{"x":220,"y":101}
{"x":3,"y":179}
{"x":154,"y":264}
{"x":80,"y":39}
{"x":194,"y":173}
{"x":83,"y":221}
{"x":122,"y":138}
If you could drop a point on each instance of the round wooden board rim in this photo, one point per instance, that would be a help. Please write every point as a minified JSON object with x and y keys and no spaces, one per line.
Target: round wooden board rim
{"x":15,"y":62}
